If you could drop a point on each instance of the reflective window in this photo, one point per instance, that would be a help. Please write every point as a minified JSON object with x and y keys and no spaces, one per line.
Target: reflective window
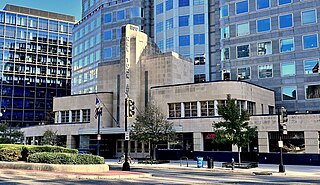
{"x":264,"y":48}
{"x":243,"y":51}
{"x":10,"y":18}
{"x":281,"y":2}
{"x":198,"y":2}
{"x":160,"y":45}
{"x":53,"y":25}
{"x":159,"y":8}
{"x":32,"y":22}
{"x":242,"y":7}
{"x":169,"y":43}
{"x":289,"y":93}
{"x":199,"y":39}
{"x":286,"y":45}
{"x":224,"y":11}
{"x":263,"y":25}
{"x":169,"y":24}
{"x":308,"y":17}
{"x":118,"y":51}
{"x":198,"y":19}
{"x":107,"y":53}
{"x":243,"y":29}
{"x":244,"y":73}
{"x":1,"y":30}
{"x":21,"y":20}
{"x":63,"y":27}
{"x":108,"y":18}
{"x":261,"y":4}
{"x":135,"y":12}
{"x":85,"y":5}
{"x":265,"y":71}
{"x":184,"y":40}
{"x":169,"y":4}
{"x":159,"y":27}
{"x":108,"y":35}
{"x":199,"y":59}
{"x":198,"y":78}
{"x":311,"y":66}
{"x":2,"y":15}
{"x":10,"y":32}
{"x":183,"y":20}
{"x":310,"y":41}
{"x":285,"y":21}
{"x":183,"y":3}
{"x":225,"y":32}
{"x":288,"y":69}
{"x":121,"y":15}
{"x":43,"y":24}
{"x":119,"y":32}
{"x":312,"y":91}
{"x":225,"y":54}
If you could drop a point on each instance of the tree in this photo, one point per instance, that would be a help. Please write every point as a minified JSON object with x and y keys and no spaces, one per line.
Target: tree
{"x":49,"y":137}
{"x":9,"y":135}
{"x":151,"y":126}
{"x":235,"y":128}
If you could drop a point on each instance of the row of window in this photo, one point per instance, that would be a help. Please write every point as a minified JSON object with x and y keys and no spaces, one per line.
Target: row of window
{"x":87,"y":44}
{"x":184,"y":40}
{"x":74,"y":116}
{"x":112,"y":34}
{"x":88,"y":59}
{"x":87,"y":4}
{"x":87,"y":29}
{"x":265,"y":48}
{"x":35,"y":22}
{"x":169,"y":5}
{"x":82,"y":90}
{"x":84,"y":77}
{"x":120,"y":15}
{"x":290,"y":92}
{"x":39,"y":81}
{"x":183,"y":21}
{"x":263,"y":25}
{"x":243,"y":6}
{"x":107,"y":52}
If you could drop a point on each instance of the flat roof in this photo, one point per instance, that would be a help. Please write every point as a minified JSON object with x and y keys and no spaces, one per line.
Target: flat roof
{"x":40,"y":13}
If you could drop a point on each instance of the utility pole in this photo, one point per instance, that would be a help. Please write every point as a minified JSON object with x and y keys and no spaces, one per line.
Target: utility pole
{"x":98,"y":114}
{"x":126,"y":165}
{"x":280,"y":143}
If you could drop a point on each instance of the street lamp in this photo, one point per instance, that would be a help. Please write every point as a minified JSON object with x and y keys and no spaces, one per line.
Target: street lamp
{"x":282,"y":130}
{"x":126,"y":165}
{"x":98,"y":114}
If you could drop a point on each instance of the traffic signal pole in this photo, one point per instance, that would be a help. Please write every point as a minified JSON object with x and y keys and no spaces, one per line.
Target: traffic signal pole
{"x":281,"y":166}
{"x":126,"y":165}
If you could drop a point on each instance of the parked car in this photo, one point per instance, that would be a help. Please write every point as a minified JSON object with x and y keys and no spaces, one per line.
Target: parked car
{"x":84,"y":152}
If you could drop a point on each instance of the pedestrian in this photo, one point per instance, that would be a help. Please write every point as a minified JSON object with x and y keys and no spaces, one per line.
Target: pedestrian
{"x":232,"y":164}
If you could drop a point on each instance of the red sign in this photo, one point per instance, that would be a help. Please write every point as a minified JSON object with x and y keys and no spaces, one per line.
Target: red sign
{"x":211,"y":136}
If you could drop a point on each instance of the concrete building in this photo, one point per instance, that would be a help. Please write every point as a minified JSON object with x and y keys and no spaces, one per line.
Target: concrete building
{"x":272,"y":43}
{"x":97,"y":36}
{"x":183,"y":27}
{"x":35,"y":63}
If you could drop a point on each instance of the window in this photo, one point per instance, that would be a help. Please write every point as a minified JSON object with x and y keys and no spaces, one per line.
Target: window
{"x":169,"y":43}
{"x":159,"y":27}
{"x":174,"y":110}
{"x":224,"y":11}
{"x":85,"y":5}
{"x":159,"y":8}
{"x":199,"y":60}
{"x":198,"y":39}
{"x":311,"y":66}
{"x":310,"y":41}
{"x":281,"y":2}
{"x":312,"y":91}
{"x":190,"y":109}
{"x":225,"y":32}
{"x":243,"y":51}
{"x":135,"y":12}
{"x":198,"y":19}
{"x":118,"y":33}
{"x":107,"y":53}
{"x":169,"y":4}
{"x":75,"y":116}
{"x":198,"y":2}
{"x":242,"y":7}
{"x":261,"y":4}
{"x":64,"y":116}
{"x":288,"y":69}
{"x":2,"y":17}
{"x":86,"y":115}
{"x":32,"y":22}
{"x":308,"y":17}
{"x":121,"y":15}
{"x":53,"y":26}
{"x":263,"y":25}
{"x":289,"y":93}
{"x":10,"y":18}
{"x":264,"y":48}
{"x":160,"y":45}
{"x":199,"y":78}
{"x":108,"y":35}
{"x":108,"y":18}
{"x":184,"y":20}
{"x":243,"y":29}
{"x":21,"y":20}
{"x":265,"y":71}
{"x":286,"y":45}
{"x":207,"y":108}
{"x":169,"y":24}
{"x":244,"y":73}
{"x":225,"y":54}
{"x":285,"y":21}
{"x":183,"y":3}
{"x":184,"y":40}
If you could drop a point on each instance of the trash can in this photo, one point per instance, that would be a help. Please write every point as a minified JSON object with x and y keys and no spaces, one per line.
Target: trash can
{"x":210,"y":163}
{"x":200,"y":162}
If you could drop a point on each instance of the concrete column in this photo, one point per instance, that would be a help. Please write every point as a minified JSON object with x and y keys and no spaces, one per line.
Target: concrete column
{"x":33,"y":142}
{"x":263,"y":142}
{"x":70,"y":116}
{"x":182,"y":110}
{"x":311,"y":141}
{"x":198,"y":141}
{"x":245,"y":105}
{"x":71,"y":142}
{"x":81,"y":115}
{"x":198,"y":109}
{"x":216,"y":108}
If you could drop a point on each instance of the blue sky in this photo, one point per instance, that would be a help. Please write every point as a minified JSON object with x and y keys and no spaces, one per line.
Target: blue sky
{"x":69,"y":7}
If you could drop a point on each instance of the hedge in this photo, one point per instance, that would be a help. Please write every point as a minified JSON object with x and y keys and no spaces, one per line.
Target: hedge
{"x":10,"y":154}
{"x":26,"y":150}
{"x":64,"y":158}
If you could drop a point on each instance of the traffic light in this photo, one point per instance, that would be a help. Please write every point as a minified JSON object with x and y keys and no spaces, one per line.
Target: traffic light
{"x":131,"y":108}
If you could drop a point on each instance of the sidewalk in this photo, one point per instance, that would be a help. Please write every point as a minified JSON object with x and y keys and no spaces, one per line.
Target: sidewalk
{"x":291,"y":170}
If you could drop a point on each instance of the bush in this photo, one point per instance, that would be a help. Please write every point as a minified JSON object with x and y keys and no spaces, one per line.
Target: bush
{"x":10,"y":154}
{"x":64,"y":158}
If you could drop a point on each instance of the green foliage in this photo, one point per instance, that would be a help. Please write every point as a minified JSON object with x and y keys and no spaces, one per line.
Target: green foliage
{"x":11,"y":154}
{"x":9,"y":135}
{"x":49,"y":138}
{"x":64,"y":158}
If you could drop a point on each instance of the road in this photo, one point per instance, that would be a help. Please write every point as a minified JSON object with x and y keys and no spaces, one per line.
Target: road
{"x":165,"y":176}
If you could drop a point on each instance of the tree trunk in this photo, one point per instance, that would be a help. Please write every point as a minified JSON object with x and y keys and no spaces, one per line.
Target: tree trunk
{"x":239,"y":157}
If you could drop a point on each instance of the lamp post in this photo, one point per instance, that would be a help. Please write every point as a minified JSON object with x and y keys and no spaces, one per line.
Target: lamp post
{"x":280,"y":143}
{"x":126,"y":165}
{"x":98,"y":113}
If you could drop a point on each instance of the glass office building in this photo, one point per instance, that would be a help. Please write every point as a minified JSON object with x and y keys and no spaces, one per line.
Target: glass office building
{"x":35,"y":63}
{"x":183,"y":26}
{"x":272,"y":43}
{"x":97,"y":36}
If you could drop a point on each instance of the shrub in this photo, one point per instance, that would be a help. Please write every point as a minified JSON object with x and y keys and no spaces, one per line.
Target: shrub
{"x":10,"y":154}
{"x":64,"y":158}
